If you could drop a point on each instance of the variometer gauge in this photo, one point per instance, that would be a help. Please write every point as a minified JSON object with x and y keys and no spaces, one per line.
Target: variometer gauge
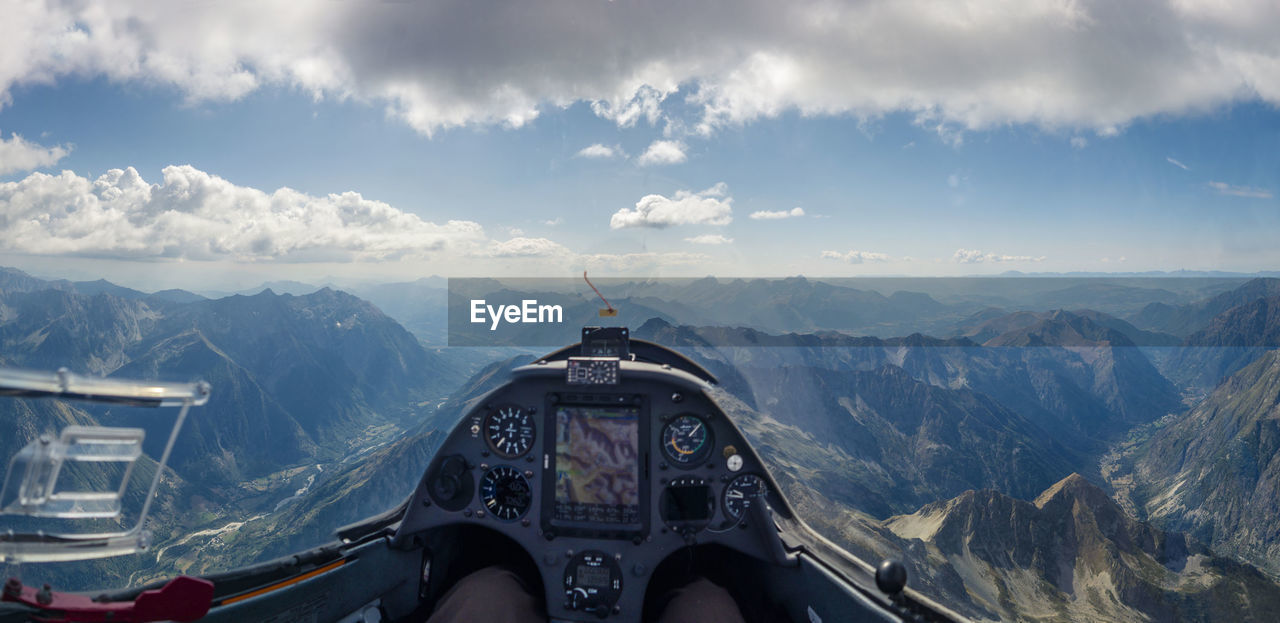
{"x":741,"y":493}
{"x":506,"y":493}
{"x":687,"y":440}
{"x":509,"y":431}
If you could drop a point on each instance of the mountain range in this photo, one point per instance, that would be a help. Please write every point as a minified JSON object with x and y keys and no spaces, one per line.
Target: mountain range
{"x":295,"y":375}
{"x":966,"y":449}
{"x":1067,"y":554}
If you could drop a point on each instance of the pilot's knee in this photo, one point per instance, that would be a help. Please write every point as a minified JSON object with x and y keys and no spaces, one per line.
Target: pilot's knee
{"x":491,"y":594}
{"x":701,"y":601}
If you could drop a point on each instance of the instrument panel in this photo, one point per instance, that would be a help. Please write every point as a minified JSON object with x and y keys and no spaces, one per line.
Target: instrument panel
{"x":599,"y":482}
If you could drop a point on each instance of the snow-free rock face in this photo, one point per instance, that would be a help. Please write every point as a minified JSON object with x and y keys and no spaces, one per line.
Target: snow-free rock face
{"x":293,"y":375}
{"x":1232,"y":340}
{"x":1213,"y":472}
{"x":1074,"y":555}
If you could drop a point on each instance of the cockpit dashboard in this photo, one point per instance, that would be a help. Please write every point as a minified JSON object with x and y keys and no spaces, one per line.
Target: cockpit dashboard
{"x":601,"y":466}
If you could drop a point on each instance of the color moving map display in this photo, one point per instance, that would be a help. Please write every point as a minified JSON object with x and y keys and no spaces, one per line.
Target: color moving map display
{"x":597,"y":464}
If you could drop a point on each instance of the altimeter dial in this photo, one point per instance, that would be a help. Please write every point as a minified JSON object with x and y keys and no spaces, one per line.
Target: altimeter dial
{"x":509,"y":431}
{"x":506,"y":493}
{"x":741,"y":493}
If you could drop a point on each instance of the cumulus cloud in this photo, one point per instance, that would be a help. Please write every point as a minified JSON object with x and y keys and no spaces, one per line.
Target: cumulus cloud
{"x":973,"y":256}
{"x":1223,"y":188}
{"x":552,"y":222}
{"x":18,"y":154}
{"x":855,"y":257}
{"x":663,"y":152}
{"x":767,"y":215}
{"x":709,"y":239}
{"x":709,"y":207}
{"x":956,"y":66}
{"x":601,"y":152}
{"x":1079,"y":142}
{"x":1177,"y":164}
{"x":193,"y":215}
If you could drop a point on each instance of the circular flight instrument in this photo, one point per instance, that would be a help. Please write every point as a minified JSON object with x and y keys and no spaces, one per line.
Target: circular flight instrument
{"x":687,"y":440}
{"x":509,"y":431}
{"x":740,"y":493}
{"x":506,"y":493}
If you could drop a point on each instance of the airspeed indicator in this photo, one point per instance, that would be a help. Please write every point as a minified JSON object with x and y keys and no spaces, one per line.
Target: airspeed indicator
{"x":686,"y":440}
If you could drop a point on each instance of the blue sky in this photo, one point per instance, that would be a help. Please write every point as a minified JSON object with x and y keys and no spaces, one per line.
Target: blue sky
{"x":876,"y":159}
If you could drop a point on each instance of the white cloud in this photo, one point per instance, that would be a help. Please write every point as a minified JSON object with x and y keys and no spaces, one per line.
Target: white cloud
{"x":1177,"y":164}
{"x":973,"y":256}
{"x":18,"y":154}
{"x":194,"y":215}
{"x":955,"y":65}
{"x":1079,"y":142}
{"x":855,"y":257}
{"x":1222,"y":188}
{"x":645,"y":103}
{"x":526,"y":247}
{"x":709,"y":239}
{"x":663,"y":152}
{"x":601,"y":152}
{"x":709,"y":207}
{"x":768,"y":215}
{"x":552,"y":222}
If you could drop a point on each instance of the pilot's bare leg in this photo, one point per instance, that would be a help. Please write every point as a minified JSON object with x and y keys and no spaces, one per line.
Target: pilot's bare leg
{"x":493,"y":595}
{"x":701,"y":601}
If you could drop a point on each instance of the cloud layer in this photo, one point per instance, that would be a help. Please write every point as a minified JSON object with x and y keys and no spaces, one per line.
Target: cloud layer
{"x":709,"y":239}
{"x":1094,"y":64}
{"x":1223,"y":188}
{"x":527,"y":247}
{"x":768,"y":215}
{"x":709,"y":207}
{"x":855,"y":257}
{"x":974,"y":256}
{"x":18,"y":155}
{"x":194,"y":215}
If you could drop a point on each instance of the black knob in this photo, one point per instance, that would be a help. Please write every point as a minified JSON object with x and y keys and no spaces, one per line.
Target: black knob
{"x":891,"y":577}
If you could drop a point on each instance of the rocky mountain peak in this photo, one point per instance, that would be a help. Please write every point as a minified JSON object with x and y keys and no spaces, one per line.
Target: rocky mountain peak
{"x":1075,"y":488}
